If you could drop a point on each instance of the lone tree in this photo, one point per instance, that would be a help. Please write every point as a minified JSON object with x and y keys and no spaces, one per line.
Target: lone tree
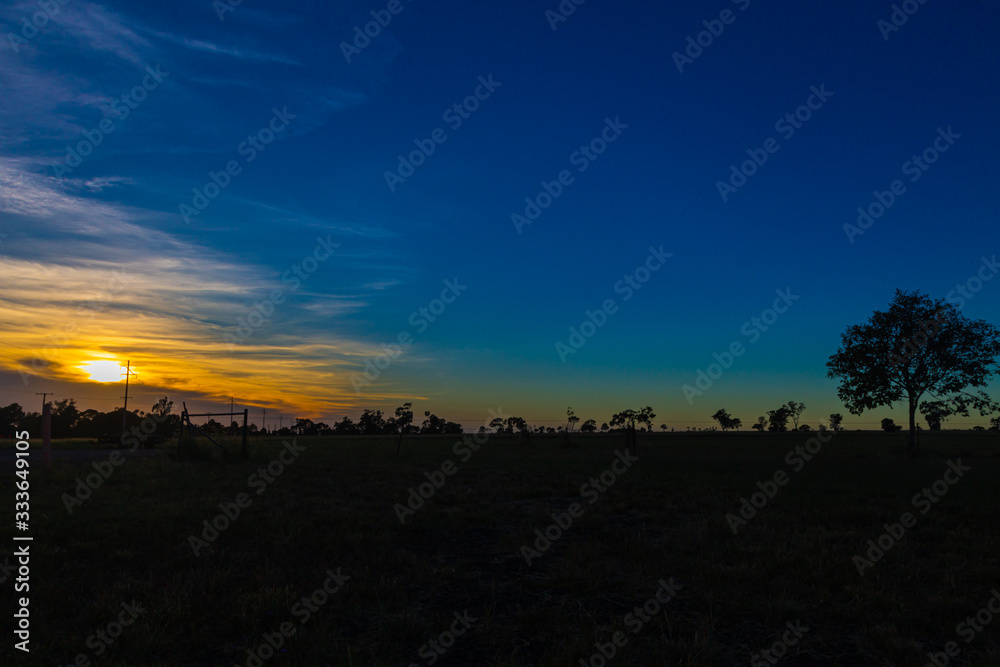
{"x":571,"y":418}
{"x":627,"y":419}
{"x":835,"y":420}
{"x":795,"y":411}
{"x":890,"y":426}
{"x":917,"y":346}
{"x":726,"y":420}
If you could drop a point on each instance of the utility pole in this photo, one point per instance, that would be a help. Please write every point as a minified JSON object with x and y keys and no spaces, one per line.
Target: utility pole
{"x":43,"y":394}
{"x":279,"y":422}
{"x":230,"y":412}
{"x":264,"y":421}
{"x":128,"y":372}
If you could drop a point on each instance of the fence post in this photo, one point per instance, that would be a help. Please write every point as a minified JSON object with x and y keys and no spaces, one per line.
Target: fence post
{"x":180,"y":434}
{"x":47,"y":434}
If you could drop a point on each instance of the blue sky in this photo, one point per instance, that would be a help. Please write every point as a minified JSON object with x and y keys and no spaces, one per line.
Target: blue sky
{"x":344,"y":124}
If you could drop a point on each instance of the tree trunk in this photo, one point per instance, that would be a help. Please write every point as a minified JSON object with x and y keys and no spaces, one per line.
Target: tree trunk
{"x":912,"y":446}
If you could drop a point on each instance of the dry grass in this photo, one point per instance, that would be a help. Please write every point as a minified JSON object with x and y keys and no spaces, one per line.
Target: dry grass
{"x":333,"y":508}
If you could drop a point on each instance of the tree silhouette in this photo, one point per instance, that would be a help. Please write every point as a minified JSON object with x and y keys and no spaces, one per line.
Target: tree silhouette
{"x":571,"y":418}
{"x":517,"y":425}
{"x":371,"y":422}
{"x":889,"y":426}
{"x":835,"y":420}
{"x":945,"y":353}
{"x":404,"y":417}
{"x":629,"y":418}
{"x":10,"y":417}
{"x":726,"y":421}
{"x":64,"y":417}
{"x":795,"y":411}
{"x":301,"y":427}
{"x":402,"y":421}
{"x":438,"y":425}
{"x":777,"y":420}
{"x":345,"y":427}
{"x":723,"y":418}
{"x":935,"y":412}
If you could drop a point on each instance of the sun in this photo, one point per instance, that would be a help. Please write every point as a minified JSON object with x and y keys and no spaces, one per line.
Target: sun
{"x":105,"y":370}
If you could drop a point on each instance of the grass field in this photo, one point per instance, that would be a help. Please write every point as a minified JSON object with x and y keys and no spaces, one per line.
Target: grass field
{"x":330,"y":510}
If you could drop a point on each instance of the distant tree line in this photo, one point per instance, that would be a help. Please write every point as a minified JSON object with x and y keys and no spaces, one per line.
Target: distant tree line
{"x":916,"y":348}
{"x":68,"y":421}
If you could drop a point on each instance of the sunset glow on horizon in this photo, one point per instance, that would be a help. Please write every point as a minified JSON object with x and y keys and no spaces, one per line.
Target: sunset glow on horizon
{"x":559,"y":226}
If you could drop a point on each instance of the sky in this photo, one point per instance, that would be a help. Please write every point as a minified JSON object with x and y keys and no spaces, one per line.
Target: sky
{"x":257,"y":200}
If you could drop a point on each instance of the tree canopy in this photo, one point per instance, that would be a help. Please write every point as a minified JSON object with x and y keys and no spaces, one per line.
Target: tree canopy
{"x":915,"y":347}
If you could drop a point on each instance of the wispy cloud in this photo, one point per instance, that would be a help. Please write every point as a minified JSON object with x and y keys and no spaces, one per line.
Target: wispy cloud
{"x":104,"y":31}
{"x":64,"y":240}
{"x":210,"y":47}
{"x":174,"y":302}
